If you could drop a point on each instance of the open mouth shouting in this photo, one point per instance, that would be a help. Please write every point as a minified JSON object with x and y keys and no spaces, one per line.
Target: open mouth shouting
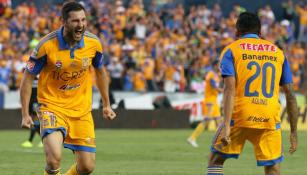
{"x":78,"y":34}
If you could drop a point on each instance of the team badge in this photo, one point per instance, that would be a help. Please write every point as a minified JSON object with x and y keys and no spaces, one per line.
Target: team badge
{"x":30,"y":65}
{"x":85,"y":62}
{"x":58,"y":64}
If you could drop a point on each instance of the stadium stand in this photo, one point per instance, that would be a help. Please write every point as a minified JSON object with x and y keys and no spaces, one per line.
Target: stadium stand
{"x":163,"y":46}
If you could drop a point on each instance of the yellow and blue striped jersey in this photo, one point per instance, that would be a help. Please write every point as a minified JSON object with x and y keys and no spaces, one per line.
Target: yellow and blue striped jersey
{"x":259,"y":67}
{"x":65,"y":81}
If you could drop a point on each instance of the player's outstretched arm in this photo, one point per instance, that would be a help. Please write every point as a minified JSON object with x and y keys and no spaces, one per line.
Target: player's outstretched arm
{"x":292,"y":112}
{"x":25,"y":95}
{"x":229,"y":93}
{"x":103,"y":86}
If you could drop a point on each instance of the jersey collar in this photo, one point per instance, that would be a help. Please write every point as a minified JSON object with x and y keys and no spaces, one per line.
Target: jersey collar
{"x":250,"y":35}
{"x":62,"y":43}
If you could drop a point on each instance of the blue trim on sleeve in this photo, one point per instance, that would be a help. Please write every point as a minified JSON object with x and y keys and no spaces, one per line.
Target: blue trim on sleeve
{"x":80,"y":148}
{"x":224,"y":155}
{"x":38,"y":64}
{"x":286,"y":75}
{"x":227,"y":64}
{"x":97,"y":61}
{"x":250,"y":35}
{"x":51,"y":130}
{"x":270,"y":162}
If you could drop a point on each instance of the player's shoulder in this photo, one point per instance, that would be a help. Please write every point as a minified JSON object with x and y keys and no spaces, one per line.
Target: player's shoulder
{"x":47,"y":38}
{"x":90,"y":36}
{"x":227,"y":50}
{"x":91,"y":40}
{"x":39,"y":50}
{"x":275,"y":47}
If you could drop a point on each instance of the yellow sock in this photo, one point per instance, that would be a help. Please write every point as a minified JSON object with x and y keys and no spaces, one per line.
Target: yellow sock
{"x":72,"y":170}
{"x":197,"y":131}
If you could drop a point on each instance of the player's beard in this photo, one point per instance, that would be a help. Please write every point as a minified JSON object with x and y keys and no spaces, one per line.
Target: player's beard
{"x":78,"y":33}
{"x":75,"y":34}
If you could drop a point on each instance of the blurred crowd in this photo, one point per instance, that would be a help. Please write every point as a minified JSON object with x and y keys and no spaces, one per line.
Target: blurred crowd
{"x":163,"y":47}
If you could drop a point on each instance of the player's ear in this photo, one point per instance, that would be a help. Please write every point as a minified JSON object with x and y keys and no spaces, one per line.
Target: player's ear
{"x":259,"y":34}
{"x":238,"y":33}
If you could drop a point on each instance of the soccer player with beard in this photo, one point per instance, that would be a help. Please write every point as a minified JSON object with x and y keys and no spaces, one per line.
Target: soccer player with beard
{"x":63,"y":59}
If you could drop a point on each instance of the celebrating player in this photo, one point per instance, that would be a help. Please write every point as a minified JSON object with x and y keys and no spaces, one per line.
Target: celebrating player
{"x":63,"y":59}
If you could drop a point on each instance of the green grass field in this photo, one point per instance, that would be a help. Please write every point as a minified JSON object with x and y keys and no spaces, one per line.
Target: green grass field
{"x":143,"y":152}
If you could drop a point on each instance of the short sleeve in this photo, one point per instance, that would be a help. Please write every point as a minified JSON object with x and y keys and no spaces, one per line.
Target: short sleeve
{"x":98,"y":58}
{"x":227,"y":64}
{"x":37,"y":60}
{"x":286,"y":75}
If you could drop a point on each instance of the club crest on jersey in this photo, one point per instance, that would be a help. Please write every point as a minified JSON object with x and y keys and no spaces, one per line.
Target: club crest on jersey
{"x":85,"y":62}
{"x":58,"y":64}
{"x":30,"y":65}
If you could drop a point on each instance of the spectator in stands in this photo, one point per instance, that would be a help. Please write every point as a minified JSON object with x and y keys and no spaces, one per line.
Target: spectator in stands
{"x":5,"y":71}
{"x":302,"y":13}
{"x":166,"y":32}
{"x":116,"y":70}
{"x":139,"y":81}
{"x":148,"y":67}
{"x":127,"y":80}
{"x":289,"y":10}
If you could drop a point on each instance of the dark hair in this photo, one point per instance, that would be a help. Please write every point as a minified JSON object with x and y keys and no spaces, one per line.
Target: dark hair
{"x":70,"y":6}
{"x":248,"y":23}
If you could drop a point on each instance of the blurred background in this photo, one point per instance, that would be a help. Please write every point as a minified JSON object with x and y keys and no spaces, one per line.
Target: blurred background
{"x":157,"y":54}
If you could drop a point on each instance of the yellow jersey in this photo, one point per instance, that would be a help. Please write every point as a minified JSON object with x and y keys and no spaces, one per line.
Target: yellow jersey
{"x":65,"y":81}
{"x":259,"y":67}
{"x":212,"y":83}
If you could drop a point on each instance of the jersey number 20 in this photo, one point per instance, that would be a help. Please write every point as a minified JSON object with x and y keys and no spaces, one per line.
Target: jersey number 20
{"x":259,"y":71}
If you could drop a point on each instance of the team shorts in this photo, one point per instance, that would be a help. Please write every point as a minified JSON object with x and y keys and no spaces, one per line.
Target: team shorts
{"x":267,"y":144}
{"x":211,"y":111}
{"x":78,"y":132}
